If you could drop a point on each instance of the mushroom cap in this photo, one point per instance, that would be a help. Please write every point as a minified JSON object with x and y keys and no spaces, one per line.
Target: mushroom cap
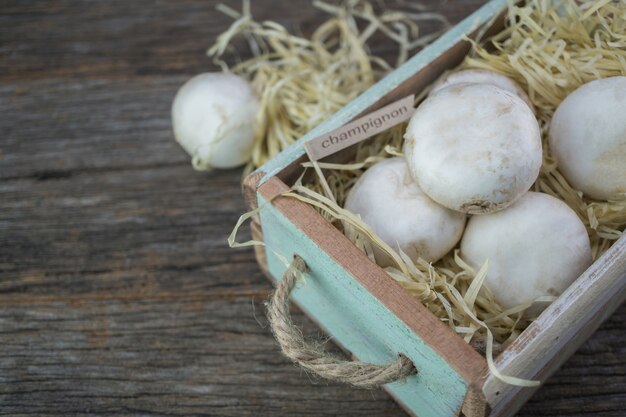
{"x":478,"y":76}
{"x":213,"y":116}
{"x":588,"y":138}
{"x":392,"y":204}
{"x":536,"y":247}
{"x":473,"y":148}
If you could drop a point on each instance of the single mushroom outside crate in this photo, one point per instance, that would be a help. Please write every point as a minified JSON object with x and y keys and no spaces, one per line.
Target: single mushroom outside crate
{"x":214,"y":118}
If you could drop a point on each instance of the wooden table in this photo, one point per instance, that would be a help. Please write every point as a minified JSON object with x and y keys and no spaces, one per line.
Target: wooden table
{"x":118,"y":293}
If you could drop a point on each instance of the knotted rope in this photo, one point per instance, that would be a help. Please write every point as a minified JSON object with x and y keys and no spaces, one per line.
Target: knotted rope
{"x":313,"y":356}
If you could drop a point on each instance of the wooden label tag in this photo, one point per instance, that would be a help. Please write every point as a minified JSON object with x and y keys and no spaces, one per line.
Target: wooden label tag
{"x":360,"y":129}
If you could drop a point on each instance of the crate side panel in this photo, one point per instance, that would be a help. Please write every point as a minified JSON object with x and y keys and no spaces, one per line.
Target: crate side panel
{"x":359,"y":322}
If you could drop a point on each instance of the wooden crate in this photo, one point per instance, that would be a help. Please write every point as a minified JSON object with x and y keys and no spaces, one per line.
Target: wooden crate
{"x":372,"y":318}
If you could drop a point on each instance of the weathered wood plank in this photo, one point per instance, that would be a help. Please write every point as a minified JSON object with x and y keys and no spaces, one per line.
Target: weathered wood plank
{"x":194,"y":356}
{"x":55,"y":128}
{"x":120,"y":38}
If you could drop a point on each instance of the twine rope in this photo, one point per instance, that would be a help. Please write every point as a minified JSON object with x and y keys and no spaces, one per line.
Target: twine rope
{"x":312,"y":356}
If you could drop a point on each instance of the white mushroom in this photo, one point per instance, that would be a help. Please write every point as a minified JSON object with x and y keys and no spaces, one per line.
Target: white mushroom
{"x":588,"y":138}
{"x":214,"y":116}
{"x":537,"y":247}
{"x":478,"y":76}
{"x":392,"y":204}
{"x":473,"y":148}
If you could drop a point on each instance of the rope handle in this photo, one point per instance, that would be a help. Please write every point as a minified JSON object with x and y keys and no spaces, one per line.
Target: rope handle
{"x":312,"y":356}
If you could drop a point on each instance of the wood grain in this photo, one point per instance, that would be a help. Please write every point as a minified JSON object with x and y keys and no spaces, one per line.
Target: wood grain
{"x":118,"y":293}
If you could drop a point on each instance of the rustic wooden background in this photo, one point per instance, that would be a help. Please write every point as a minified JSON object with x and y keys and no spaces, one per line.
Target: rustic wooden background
{"x":118,"y":294}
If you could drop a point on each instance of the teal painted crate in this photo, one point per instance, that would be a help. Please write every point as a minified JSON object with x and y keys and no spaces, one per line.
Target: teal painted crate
{"x":373,"y":319}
